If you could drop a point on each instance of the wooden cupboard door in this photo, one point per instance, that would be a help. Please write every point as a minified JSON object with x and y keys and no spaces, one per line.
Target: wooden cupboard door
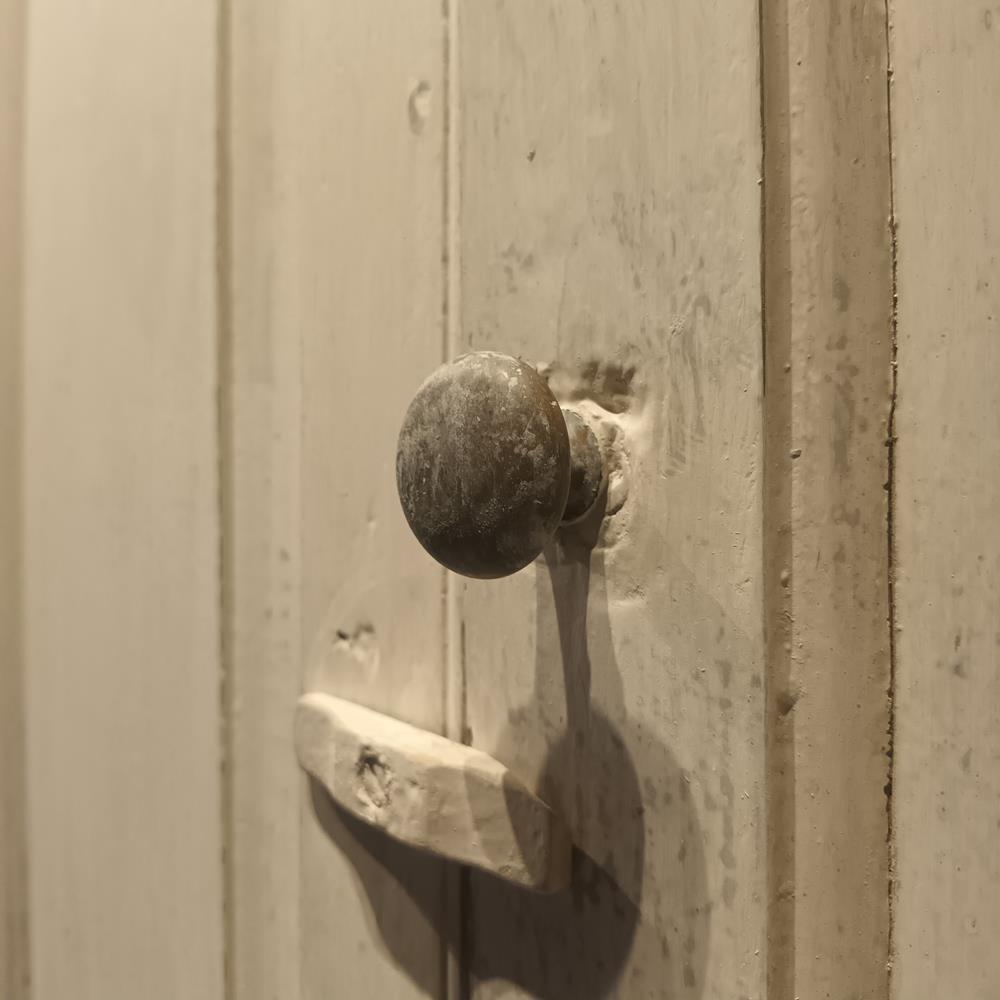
{"x":946,"y":789}
{"x":579,"y":187}
{"x":237,"y":237}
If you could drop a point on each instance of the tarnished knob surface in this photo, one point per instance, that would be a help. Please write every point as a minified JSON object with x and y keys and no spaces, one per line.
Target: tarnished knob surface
{"x":483,"y":465}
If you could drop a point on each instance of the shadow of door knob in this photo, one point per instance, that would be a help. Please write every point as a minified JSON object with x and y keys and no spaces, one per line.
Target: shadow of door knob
{"x":489,"y":465}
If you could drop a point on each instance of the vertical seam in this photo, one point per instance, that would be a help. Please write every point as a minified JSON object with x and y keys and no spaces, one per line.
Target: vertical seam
{"x":890,"y":507}
{"x":224,"y":427}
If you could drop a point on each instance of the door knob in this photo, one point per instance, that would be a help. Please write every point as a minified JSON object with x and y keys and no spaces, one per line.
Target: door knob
{"x":488,"y":465}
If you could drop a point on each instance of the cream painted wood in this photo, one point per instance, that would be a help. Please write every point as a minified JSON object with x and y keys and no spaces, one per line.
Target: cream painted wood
{"x":828,"y":307}
{"x":262,"y":554}
{"x":121,"y":527}
{"x":609,"y":228}
{"x":366,"y":187}
{"x":598,"y":171}
{"x":13,"y":827}
{"x":336,"y":145}
{"x":431,"y":793}
{"x":946,"y":789}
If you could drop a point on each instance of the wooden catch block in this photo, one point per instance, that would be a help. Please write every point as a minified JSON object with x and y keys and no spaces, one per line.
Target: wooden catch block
{"x":431,"y":793}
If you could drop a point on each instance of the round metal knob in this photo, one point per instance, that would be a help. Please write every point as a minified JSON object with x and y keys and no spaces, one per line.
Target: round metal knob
{"x":486,"y":467}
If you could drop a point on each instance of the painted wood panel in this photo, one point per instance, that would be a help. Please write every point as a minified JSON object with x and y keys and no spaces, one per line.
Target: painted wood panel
{"x":946,"y":788}
{"x":335,"y":236}
{"x":261,"y":393}
{"x":609,"y":232}
{"x":13,"y":825}
{"x":121,"y":527}
{"x":827,"y":258}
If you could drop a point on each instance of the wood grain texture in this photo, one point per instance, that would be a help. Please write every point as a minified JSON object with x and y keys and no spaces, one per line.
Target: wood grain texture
{"x":946,"y":790}
{"x":14,"y":975}
{"x":609,"y":229}
{"x":828,"y":308}
{"x":336,"y":240}
{"x":121,"y":528}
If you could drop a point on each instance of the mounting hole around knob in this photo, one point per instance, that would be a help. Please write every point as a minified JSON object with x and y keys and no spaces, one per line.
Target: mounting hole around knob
{"x":483,"y":465}
{"x":586,"y":476}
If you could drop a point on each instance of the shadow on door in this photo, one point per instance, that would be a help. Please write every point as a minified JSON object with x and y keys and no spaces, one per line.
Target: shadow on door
{"x":607,"y":935}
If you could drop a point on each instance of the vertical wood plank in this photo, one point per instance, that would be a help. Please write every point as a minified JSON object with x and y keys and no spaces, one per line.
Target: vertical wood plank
{"x":13,"y":833}
{"x":336,"y":238}
{"x":120,"y":514}
{"x":828,"y":308}
{"x":261,"y":489}
{"x":946,"y":74}
{"x":610,"y":232}
{"x":368,"y":190}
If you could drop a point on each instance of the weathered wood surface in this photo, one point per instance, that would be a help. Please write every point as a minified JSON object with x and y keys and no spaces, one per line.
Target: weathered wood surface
{"x":121,"y":527}
{"x":946,"y":791}
{"x":603,"y":170}
{"x":13,"y":825}
{"x":827,"y":259}
{"x":430,"y":792}
{"x":335,"y":235}
{"x":609,"y":227}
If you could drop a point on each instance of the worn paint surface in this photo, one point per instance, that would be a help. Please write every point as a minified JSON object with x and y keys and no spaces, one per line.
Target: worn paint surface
{"x":609,"y":231}
{"x":587,"y":477}
{"x":828,"y":307}
{"x":946,"y":792}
